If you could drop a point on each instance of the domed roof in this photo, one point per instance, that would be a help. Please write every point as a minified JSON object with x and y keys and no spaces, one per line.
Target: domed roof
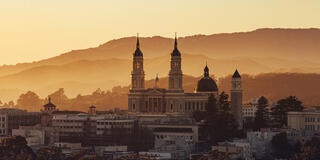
{"x":175,"y":51}
{"x":138,"y":52}
{"x":49,"y":104}
{"x":206,"y":83}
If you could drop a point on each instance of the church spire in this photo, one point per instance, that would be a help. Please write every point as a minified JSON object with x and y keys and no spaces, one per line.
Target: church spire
{"x":138,"y":43}
{"x":175,"y":41}
{"x":206,"y":71}
{"x":175,"y":51}
{"x":138,"y":52}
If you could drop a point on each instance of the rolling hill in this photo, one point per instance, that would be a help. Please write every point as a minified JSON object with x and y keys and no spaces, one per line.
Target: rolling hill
{"x":108,"y":65}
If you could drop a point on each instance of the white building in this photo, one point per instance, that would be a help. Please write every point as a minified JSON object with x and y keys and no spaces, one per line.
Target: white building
{"x":307,"y":120}
{"x":249,"y":109}
{"x":174,"y":135}
{"x":260,"y":142}
{"x":35,"y":135}
{"x":236,"y":149}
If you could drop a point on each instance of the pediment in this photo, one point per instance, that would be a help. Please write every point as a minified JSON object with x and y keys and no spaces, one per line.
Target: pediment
{"x":155,"y":91}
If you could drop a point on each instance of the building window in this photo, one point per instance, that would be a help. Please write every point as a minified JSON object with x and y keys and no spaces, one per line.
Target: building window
{"x":171,"y":107}
{"x":133,"y":106}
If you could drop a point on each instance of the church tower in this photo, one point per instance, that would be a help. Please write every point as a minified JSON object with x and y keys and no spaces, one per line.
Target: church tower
{"x":175,"y":74}
{"x":236,"y":98}
{"x":137,"y":74}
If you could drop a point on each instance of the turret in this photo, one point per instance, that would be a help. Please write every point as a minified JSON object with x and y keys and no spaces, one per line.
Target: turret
{"x":236,"y":98}
{"x":175,"y":74}
{"x":137,"y":74}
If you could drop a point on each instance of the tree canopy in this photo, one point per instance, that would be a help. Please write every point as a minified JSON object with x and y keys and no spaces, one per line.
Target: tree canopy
{"x":279,"y":112}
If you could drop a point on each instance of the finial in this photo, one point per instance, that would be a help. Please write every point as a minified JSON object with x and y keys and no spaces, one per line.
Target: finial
{"x":138,"y":43}
{"x":156,"y":81}
{"x":206,"y":71}
{"x":49,"y":99}
{"x":175,"y":41}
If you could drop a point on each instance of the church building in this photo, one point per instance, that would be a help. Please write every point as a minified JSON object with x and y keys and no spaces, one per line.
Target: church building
{"x":173,"y":100}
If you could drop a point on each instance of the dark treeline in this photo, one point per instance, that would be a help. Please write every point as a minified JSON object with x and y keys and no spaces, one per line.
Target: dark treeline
{"x":273,"y":86}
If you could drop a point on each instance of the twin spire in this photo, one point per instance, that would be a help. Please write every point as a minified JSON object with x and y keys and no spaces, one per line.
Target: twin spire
{"x":175,"y":51}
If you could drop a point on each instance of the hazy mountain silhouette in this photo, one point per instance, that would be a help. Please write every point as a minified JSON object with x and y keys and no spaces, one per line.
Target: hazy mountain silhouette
{"x":82,"y":71}
{"x":274,"y":86}
{"x":299,"y":44}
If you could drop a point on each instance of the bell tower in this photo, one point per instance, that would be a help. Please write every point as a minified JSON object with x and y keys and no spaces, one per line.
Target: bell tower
{"x":137,"y":74}
{"x":175,"y":73}
{"x":236,"y":98}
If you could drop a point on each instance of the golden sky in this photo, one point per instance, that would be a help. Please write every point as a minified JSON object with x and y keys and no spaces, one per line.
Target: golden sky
{"x":36,"y":29}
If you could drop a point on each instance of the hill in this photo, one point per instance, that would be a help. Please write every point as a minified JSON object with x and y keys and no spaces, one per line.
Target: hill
{"x":274,"y":86}
{"x":108,"y":65}
{"x":292,"y":44}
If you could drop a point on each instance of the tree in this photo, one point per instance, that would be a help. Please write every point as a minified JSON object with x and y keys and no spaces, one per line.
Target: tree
{"x":15,"y":148}
{"x":219,"y":125}
{"x":223,"y":102}
{"x":212,"y":107}
{"x":29,"y":100}
{"x":279,"y":112}
{"x":50,"y":153}
{"x":59,"y":97}
{"x":281,"y":147}
{"x":216,"y":155}
{"x":311,"y":150}
{"x":262,"y":116}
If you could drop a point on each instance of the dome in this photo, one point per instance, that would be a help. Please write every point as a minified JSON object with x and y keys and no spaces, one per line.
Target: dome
{"x":206,"y":83}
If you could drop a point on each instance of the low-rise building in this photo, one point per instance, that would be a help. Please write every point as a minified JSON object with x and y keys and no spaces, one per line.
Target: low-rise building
{"x":238,"y":149}
{"x":35,"y":135}
{"x":306,"y":120}
{"x":260,"y":142}
{"x":175,"y":135}
{"x":11,"y":118}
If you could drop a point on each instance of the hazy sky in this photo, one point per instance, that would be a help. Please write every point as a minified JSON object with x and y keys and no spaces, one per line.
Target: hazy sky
{"x":36,"y":29}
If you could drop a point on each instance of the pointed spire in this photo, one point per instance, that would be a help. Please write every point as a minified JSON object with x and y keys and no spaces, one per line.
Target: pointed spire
{"x":138,"y":51}
{"x":236,"y":74}
{"x":175,"y":41}
{"x":206,"y":71}
{"x":156,"y":81}
{"x":138,"y":43}
{"x":175,"y":51}
{"x":49,"y":99}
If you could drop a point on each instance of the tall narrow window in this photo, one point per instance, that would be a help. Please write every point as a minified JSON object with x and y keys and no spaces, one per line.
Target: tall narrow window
{"x":134,"y":107}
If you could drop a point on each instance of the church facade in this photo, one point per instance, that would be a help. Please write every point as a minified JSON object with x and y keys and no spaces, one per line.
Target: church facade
{"x":173,"y":100}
